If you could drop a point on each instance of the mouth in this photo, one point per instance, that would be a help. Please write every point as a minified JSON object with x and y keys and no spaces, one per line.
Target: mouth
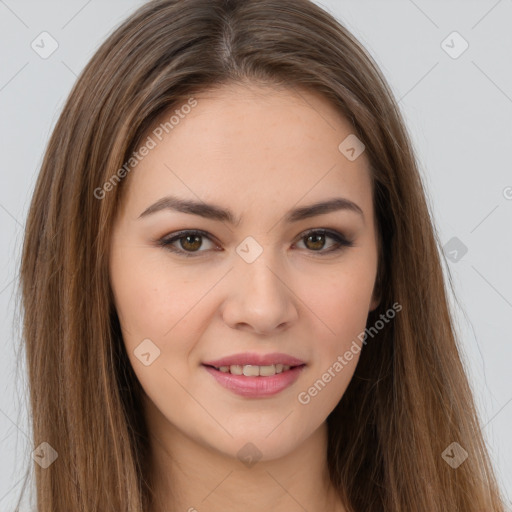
{"x":250,"y":370}
{"x":251,"y":381}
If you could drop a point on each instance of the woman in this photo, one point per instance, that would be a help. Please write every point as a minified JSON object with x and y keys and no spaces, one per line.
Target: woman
{"x":194,"y":340}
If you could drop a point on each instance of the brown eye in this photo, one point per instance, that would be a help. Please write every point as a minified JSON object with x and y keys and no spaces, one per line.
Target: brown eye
{"x":190,"y":242}
{"x":315,"y":241}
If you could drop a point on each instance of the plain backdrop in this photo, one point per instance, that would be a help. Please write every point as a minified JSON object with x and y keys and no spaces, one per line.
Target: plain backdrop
{"x":455,"y":92}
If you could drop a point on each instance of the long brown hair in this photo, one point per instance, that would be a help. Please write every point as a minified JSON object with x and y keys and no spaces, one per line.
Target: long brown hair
{"x":409,"y":398}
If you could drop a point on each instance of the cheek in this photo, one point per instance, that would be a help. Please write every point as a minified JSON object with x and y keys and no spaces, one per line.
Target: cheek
{"x":154,"y":304}
{"x":342,"y":310}
{"x":152,"y":300}
{"x":341,"y":303}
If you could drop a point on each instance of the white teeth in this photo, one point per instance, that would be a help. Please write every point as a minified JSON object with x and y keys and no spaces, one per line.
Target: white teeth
{"x":236,"y":369}
{"x":267,"y":371}
{"x":250,"y":370}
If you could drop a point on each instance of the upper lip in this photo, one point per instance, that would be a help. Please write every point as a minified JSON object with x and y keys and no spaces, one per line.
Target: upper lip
{"x":256,"y":360}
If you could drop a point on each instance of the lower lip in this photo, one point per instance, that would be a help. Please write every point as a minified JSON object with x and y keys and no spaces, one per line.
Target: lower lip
{"x":256,"y":387}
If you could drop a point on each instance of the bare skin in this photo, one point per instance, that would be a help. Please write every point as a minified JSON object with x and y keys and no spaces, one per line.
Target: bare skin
{"x":259,"y":152}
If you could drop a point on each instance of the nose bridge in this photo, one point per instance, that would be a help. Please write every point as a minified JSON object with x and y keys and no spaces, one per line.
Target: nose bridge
{"x":259,"y":296}
{"x":257,"y":270}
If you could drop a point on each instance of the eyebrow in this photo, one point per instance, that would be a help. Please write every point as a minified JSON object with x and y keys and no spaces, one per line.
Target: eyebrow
{"x":214,"y":212}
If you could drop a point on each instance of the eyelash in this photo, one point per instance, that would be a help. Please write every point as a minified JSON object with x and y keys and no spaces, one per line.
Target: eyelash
{"x":341,"y":241}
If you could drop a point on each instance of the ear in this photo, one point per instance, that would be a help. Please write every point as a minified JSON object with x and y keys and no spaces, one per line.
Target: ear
{"x":374,"y":303}
{"x":376,"y":295}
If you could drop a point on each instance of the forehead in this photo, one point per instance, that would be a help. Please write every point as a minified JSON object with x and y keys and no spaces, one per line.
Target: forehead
{"x":251,"y":146}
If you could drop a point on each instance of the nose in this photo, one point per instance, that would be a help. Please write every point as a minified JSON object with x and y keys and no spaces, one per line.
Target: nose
{"x":259,"y":297}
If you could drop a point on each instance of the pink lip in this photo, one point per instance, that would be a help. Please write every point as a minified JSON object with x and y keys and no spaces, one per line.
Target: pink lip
{"x":256,"y":387}
{"x":256,"y":360}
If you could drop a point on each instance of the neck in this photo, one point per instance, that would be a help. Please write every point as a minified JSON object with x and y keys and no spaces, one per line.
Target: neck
{"x":189,"y":476}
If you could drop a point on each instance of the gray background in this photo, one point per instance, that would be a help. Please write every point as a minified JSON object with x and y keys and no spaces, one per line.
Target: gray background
{"x":458,"y":111}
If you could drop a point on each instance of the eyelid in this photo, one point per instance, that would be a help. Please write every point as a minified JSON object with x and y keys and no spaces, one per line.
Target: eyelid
{"x":167,"y":240}
{"x":341,"y":241}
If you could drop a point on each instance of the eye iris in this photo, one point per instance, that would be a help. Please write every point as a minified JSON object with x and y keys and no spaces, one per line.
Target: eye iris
{"x":196,"y":244}
{"x":318,"y":241}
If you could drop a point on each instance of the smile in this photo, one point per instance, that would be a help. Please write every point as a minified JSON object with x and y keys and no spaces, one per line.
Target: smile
{"x":250,"y":370}
{"x":253,"y":381}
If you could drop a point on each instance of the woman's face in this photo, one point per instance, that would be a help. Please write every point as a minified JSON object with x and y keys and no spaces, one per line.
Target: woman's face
{"x":270,"y":283}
